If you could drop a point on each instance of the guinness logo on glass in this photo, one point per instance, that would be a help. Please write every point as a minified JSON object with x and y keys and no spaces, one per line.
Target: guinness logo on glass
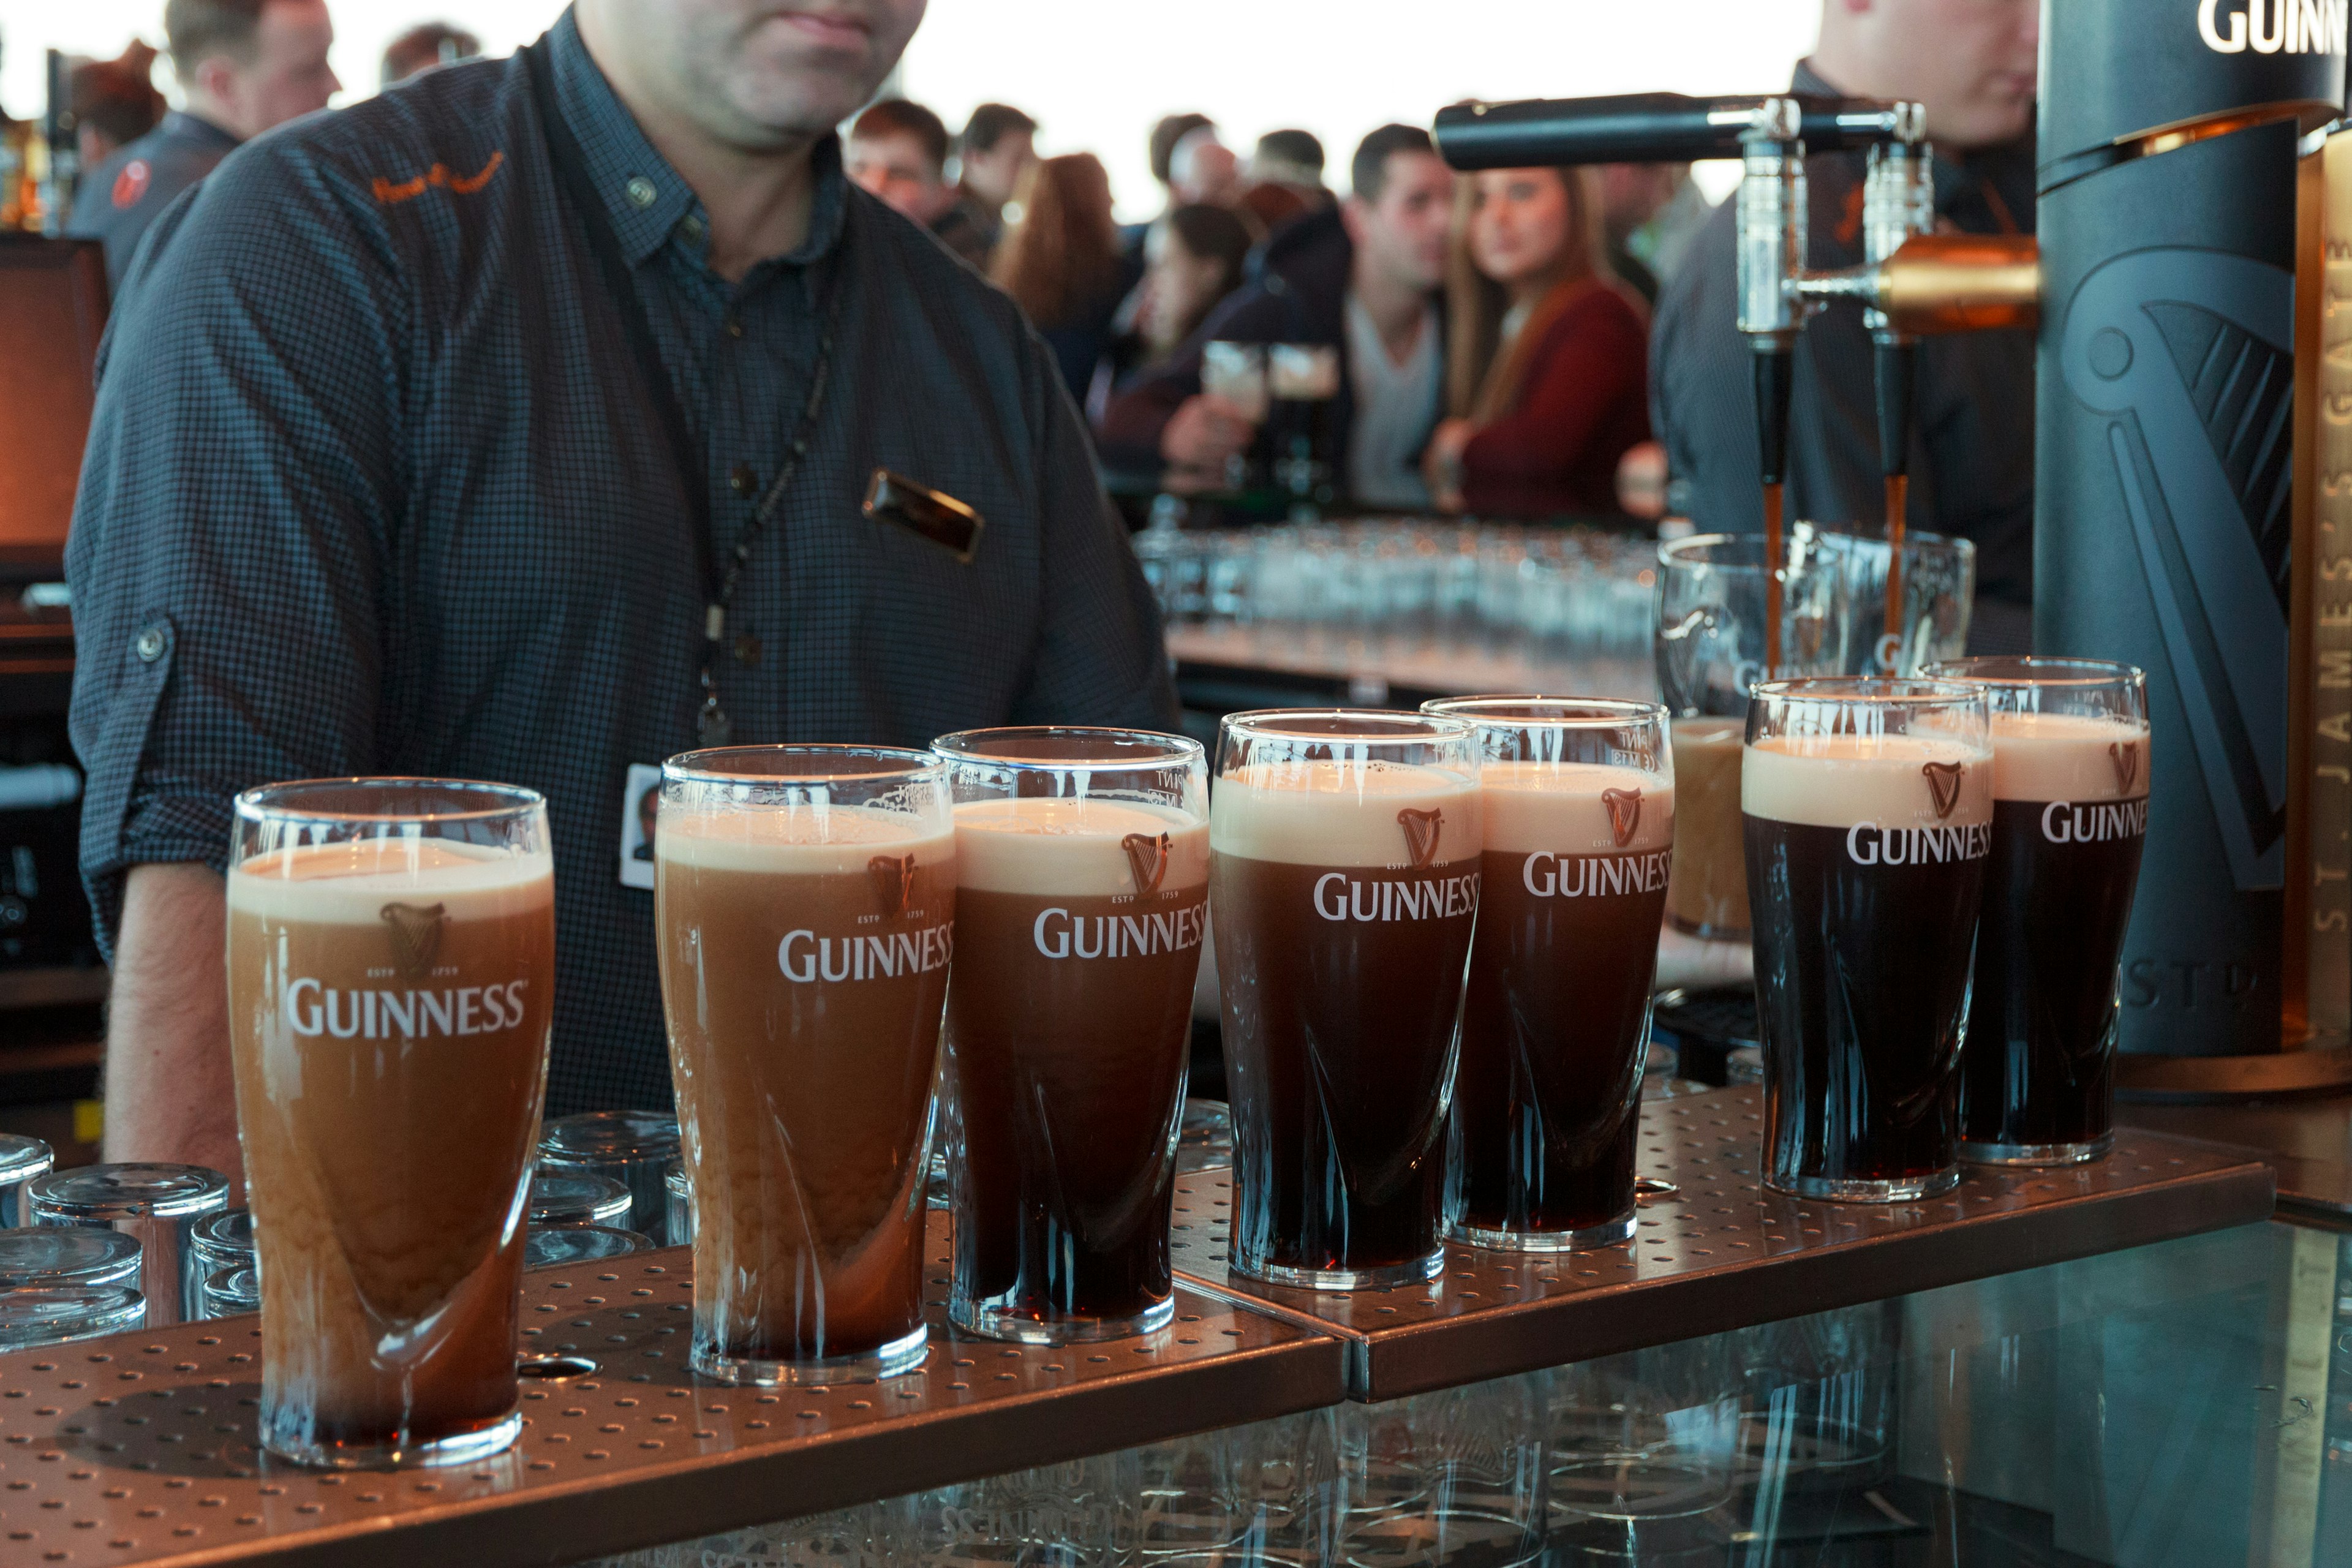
{"x":1421,"y":829}
{"x":894,"y":882}
{"x":415,"y":936}
{"x":1147,"y":856}
{"x":1624,"y":813}
{"x":2126,"y":755}
{"x":1944,"y":785}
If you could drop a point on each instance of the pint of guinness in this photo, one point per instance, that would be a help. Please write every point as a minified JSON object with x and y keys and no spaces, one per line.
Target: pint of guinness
{"x":391,"y":970}
{"x":1576,"y":801}
{"x":2070,"y":741}
{"x":1082,"y":857}
{"x":1344,"y":875}
{"x":1868,"y":809}
{"x":804,"y":905}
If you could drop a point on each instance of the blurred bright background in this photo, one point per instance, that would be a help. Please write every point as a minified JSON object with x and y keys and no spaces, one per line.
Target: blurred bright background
{"x":1097,"y":73}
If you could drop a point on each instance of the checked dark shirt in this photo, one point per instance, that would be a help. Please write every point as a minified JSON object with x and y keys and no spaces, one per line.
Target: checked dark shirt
{"x":374,"y":487}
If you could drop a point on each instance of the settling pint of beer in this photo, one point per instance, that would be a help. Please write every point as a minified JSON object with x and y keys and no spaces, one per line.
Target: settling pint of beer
{"x":1344,"y":867}
{"x":1869,"y":817}
{"x":1576,"y":802}
{"x":805,"y":904}
{"x":391,"y":973}
{"x":1082,"y":863}
{"x":2069,"y":764}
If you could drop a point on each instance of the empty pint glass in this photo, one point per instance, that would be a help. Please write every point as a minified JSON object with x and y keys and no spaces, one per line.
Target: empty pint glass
{"x":1344,"y":870}
{"x":1082,"y":865}
{"x":392,"y":972}
{"x":2070,"y":760}
{"x":1711,"y":651}
{"x":1577,"y":806}
{"x":1869,"y":816}
{"x":804,"y":908}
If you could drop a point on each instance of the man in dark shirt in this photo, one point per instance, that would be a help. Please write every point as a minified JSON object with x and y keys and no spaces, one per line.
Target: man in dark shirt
{"x":402,"y":441}
{"x":1971,"y":63}
{"x":245,"y":66}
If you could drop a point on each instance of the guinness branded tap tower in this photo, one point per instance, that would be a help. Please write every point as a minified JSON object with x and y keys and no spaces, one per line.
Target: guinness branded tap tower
{"x":2171,"y":528}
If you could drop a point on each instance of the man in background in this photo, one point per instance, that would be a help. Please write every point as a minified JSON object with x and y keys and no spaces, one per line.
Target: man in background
{"x":1202,"y":168}
{"x":114,"y":103}
{"x":424,"y":46}
{"x":1361,"y":276}
{"x":1972,"y":63}
{"x":898,"y":150}
{"x":244,"y":65}
{"x":1652,"y":214}
{"x":998,"y":144}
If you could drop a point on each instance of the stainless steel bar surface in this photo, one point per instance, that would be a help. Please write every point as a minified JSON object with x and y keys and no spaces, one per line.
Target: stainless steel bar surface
{"x":1722,"y":1252}
{"x":139,"y":1449}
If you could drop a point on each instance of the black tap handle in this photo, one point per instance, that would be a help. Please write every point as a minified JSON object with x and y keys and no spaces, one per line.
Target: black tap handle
{"x":1640,"y":128}
{"x":1775,"y":376}
{"x":1898,"y":366}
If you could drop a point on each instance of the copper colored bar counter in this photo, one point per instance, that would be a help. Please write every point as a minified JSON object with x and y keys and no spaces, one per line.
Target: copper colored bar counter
{"x":139,"y":1449}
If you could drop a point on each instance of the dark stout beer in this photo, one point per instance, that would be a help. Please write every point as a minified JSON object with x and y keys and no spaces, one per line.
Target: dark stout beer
{"x":1079,"y":932}
{"x":1547,"y":1098}
{"x":1866,"y":865}
{"x":2069,"y":819}
{"x":804,"y":961}
{"x":391,"y":1001}
{"x":1344,"y":896}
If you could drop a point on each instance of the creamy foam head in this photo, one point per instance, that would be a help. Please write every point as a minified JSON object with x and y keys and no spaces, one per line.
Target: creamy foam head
{"x":800,"y":840}
{"x":1574,"y":808}
{"x":350,"y":883}
{"x":1341,"y":813}
{"x":2068,"y":756}
{"x":1893,"y":781}
{"x":1074,"y":848}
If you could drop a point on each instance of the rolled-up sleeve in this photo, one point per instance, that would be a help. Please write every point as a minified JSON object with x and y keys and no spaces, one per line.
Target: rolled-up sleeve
{"x":237,"y":497}
{"x":1101,"y":657}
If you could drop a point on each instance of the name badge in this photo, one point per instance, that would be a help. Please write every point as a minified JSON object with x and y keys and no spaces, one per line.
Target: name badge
{"x":928,"y":513}
{"x":640,"y":798}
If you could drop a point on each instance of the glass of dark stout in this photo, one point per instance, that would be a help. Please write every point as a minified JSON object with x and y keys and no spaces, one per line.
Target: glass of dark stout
{"x":804,"y":909}
{"x":1344,"y":864}
{"x":1711,"y":652}
{"x":1576,"y":802}
{"x":1868,"y":814}
{"x":1081,"y":862}
{"x":392,"y":972}
{"x":2070,"y":764}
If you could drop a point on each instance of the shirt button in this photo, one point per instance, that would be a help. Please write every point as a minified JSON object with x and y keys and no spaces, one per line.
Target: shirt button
{"x":691,"y":226}
{"x":734,"y":325}
{"x":150,"y":644}
{"x":741,"y":480}
{"x":641,"y":190}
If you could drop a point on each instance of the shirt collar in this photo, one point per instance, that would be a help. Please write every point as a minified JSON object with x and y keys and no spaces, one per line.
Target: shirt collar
{"x":644,"y":197}
{"x":182,"y":126}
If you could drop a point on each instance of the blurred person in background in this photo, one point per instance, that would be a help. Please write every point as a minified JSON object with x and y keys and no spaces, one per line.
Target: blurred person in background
{"x":1195,"y":257}
{"x":244,"y":67}
{"x":114,"y":103}
{"x":1061,"y":262}
{"x":898,"y":150}
{"x":424,"y":46}
{"x":1284,"y":178}
{"x":1204,"y":169}
{"x":1972,"y":63}
{"x":1363,"y":278}
{"x":1651,"y":213}
{"x":1547,"y":383}
{"x":997,"y":146}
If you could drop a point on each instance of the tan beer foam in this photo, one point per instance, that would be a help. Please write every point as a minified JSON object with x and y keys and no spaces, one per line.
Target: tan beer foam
{"x":1339,"y":814}
{"x":2065,"y":756}
{"x":1836,"y":781}
{"x":1073,"y":848}
{"x":349,"y":883}
{"x":805,"y":841}
{"x":1561,"y":807}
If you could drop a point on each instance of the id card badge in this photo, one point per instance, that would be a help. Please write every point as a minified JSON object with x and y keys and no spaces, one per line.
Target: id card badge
{"x":639,"y":798}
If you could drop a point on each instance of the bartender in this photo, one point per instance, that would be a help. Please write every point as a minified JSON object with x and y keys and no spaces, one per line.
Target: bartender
{"x":1971,"y":63}
{"x":534,"y":423}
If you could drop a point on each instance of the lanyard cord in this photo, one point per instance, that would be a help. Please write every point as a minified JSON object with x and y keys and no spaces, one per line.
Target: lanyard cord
{"x":712,"y":726}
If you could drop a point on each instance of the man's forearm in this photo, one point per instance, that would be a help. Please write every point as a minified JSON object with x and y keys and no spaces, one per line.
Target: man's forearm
{"x":169,"y":1093}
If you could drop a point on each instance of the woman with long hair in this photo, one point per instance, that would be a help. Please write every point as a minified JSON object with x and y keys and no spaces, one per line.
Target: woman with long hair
{"x":1061,"y":262}
{"x":1192,"y":259}
{"x":1548,"y":353}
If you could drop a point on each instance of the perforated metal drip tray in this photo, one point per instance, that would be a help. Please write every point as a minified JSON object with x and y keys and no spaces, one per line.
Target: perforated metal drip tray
{"x":1722,"y":1252}
{"x":140,"y":1448}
